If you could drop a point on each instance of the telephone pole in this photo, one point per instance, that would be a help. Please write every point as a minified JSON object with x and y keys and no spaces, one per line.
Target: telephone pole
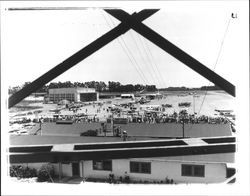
{"x":183,"y":135}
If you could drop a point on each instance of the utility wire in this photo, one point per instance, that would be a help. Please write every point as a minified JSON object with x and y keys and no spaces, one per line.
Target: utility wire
{"x":151,"y":55}
{"x":217,"y":59}
{"x":142,"y":57}
{"x":149,"y":61}
{"x":152,"y":61}
{"x":136,"y":64}
{"x":128,"y":54}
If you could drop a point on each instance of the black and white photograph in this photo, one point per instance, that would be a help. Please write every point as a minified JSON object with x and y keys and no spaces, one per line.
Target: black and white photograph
{"x":123,"y":97}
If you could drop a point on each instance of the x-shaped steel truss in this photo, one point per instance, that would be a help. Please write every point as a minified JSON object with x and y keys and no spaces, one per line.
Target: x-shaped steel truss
{"x":133,"y":21}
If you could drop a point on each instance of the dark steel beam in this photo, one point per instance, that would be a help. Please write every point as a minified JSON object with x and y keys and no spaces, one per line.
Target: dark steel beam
{"x":78,"y":57}
{"x":173,"y":50}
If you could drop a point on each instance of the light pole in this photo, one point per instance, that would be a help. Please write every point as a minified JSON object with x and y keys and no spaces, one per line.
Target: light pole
{"x":183,"y":115}
{"x":112,"y":123}
{"x":183,"y":135}
{"x":194,"y":102}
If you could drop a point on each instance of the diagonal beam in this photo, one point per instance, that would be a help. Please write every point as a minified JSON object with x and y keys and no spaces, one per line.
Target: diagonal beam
{"x":79,"y":56}
{"x":173,"y":50}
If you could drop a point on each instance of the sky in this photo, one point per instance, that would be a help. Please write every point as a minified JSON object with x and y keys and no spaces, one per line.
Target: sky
{"x":33,"y":42}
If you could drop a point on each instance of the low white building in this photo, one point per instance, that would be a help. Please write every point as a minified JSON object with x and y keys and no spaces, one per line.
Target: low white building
{"x":159,"y":169}
{"x":181,"y":160}
{"x":73,"y":94}
{"x":147,"y":169}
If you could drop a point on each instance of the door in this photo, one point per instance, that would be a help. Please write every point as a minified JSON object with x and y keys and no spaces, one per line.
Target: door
{"x":75,"y":169}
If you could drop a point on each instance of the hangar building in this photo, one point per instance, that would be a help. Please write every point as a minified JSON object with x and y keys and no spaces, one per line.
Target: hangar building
{"x":73,"y":94}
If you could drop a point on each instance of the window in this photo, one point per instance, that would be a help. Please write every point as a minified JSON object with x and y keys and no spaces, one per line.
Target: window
{"x":51,"y":97}
{"x":62,"y":96}
{"x":140,"y":167}
{"x":102,"y":165}
{"x":193,"y":170}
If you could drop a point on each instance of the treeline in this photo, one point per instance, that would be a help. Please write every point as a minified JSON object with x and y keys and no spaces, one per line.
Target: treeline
{"x":110,"y":87}
{"x":209,"y":88}
{"x":98,"y":85}
{"x":183,"y":88}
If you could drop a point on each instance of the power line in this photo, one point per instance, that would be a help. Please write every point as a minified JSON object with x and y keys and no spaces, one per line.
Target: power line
{"x":136,"y":64}
{"x":152,"y":61}
{"x":155,"y":64}
{"x":222,"y":42}
{"x":149,"y":60}
{"x":217,"y":59}
{"x":128,"y":54}
{"x":142,"y":57}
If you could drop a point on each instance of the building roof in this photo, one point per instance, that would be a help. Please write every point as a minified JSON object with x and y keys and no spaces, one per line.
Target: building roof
{"x":73,"y":89}
{"x":119,"y":150}
{"x":127,"y":94}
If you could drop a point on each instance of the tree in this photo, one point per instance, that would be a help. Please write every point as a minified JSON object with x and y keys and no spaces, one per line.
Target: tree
{"x":22,"y":172}
{"x":138,"y":87}
{"x":14,"y":89}
{"x":53,"y":85}
{"x":68,"y":84}
{"x":46,"y":173}
{"x":114,"y":86}
{"x":101,"y":87}
{"x":151,"y":88}
{"x":215,"y":87}
{"x":25,"y":84}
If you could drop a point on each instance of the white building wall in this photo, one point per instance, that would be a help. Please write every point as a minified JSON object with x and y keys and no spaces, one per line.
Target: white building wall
{"x":160,"y":169}
{"x":66,"y":169}
{"x":214,"y":172}
{"x":71,"y":90}
{"x":97,"y":95}
{"x":120,"y":166}
{"x":36,"y":166}
{"x":81,"y":165}
{"x":56,"y":168}
{"x":75,"y":91}
{"x":77,"y":97}
{"x":89,"y":172}
{"x":62,"y":90}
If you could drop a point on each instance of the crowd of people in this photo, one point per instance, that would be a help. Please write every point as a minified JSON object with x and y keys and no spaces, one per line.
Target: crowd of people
{"x":132,"y":117}
{"x":175,"y":118}
{"x":132,"y":113}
